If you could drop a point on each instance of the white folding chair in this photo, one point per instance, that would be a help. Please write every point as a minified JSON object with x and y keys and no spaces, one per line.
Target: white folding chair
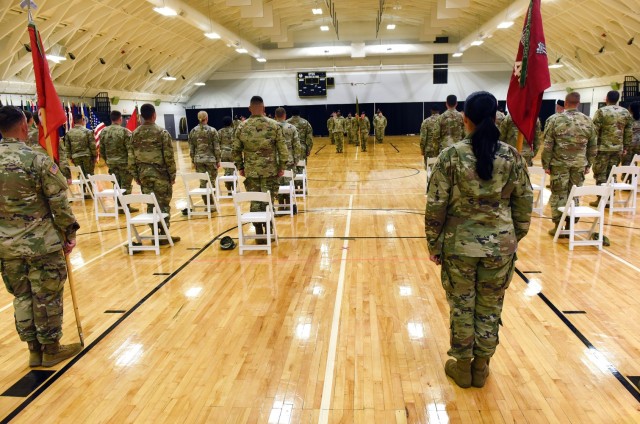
{"x":572,"y":211}
{"x":222,"y":179}
{"x":289,"y":191}
{"x":301,"y":192}
{"x":429,"y":165}
{"x":101,"y":194}
{"x":623,"y":179}
{"x":538,"y":202}
{"x":78,"y":180}
{"x":155,"y":218}
{"x":636,"y":162}
{"x":207,"y":191}
{"x":266,"y":217}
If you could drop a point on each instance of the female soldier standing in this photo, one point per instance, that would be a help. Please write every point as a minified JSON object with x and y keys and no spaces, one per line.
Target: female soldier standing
{"x":478,"y":208}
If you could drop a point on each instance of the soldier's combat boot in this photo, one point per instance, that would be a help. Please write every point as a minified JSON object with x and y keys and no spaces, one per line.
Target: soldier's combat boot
{"x":260,"y":229}
{"x":479,"y":371}
{"x":460,"y":371}
{"x":35,"y":353}
{"x":55,"y":353}
{"x":552,"y":232}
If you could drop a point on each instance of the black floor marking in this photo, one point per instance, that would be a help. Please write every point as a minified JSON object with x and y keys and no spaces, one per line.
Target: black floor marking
{"x":612,"y":369}
{"x":101,"y":231}
{"x":318,"y":151}
{"x":115,"y":311}
{"x":635,"y":380}
{"x":28,"y":383}
{"x":532,"y":272}
{"x":394,"y":147}
{"x":347,"y":238}
{"x":113,"y":326}
{"x":574,"y":312}
{"x":193,"y":248}
{"x":161,"y":273}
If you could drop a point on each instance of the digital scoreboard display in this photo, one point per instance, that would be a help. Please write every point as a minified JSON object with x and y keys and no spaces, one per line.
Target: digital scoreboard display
{"x":312,"y":84}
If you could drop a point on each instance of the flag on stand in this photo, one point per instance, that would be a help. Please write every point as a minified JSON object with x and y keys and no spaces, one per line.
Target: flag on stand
{"x":51,"y":113}
{"x":132,"y":124}
{"x":97,"y":128}
{"x":530,"y":74}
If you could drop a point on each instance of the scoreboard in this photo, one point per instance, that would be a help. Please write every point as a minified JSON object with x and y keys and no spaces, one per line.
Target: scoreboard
{"x":312,"y":84}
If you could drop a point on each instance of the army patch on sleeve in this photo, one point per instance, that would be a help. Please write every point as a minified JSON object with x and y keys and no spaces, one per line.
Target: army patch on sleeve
{"x":54,"y":169}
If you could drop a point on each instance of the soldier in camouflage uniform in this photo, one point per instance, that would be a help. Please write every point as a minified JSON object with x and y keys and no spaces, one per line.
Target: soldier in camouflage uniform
{"x":226,"y":143}
{"x":114,"y":149}
{"x":499,"y":118}
{"x":338,"y":131}
{"x":204,"y":149}
{"x":634,"y":148}
{"x":379,"y":125}
{"x":427,"y":147}
{"x":260,"y":154}
{"x":569,"y":150}
{"x":330,"y":123}
{"x":353,"y":130}
{"x":478,"y":209}
{"x":36,"y":226}
{"x":34,"y":142}
{"x":152,"y":163}
{"x":613,"y":129}
{"x":509,"y":134}
{"x":292,"y":140}
{"x":364,"y":126}
{"x":449,"y":128}
{"x":305,"y":134}
{"x":80,"y":147}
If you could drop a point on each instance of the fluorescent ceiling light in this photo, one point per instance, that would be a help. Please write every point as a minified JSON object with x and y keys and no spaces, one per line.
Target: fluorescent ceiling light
{"x":212,"y":35}
{"x":391,"y":26}
{"x":199,"y":84}
{"x":556,"y":66}
{"x":457,"y":54}
{"x":477,"y":42}
{"x":317,"y":11}
{"x":165,"y":11}
{"x":505,"y":24}
{"x":56,"y":58}
{"x":169,"y":78}
{"x":261,"y":59}
{"x":324,"y":28}
{"x":241,"y":50}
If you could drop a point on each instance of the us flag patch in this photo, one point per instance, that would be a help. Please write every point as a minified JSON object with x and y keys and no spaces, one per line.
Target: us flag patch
{"x":54,"y":169}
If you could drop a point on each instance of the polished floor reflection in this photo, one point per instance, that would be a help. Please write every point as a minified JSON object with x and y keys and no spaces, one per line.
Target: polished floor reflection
{"x":345,"y":322}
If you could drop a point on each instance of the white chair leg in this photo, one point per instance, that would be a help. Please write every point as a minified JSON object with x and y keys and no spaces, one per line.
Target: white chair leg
{"x":156,"y":237}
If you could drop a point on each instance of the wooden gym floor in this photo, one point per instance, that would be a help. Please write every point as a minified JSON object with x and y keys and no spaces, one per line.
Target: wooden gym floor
{"x":345,"y":322}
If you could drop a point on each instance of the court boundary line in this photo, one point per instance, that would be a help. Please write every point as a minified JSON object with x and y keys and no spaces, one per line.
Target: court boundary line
{"x":327,"y":389}
{"x":610,"y":367}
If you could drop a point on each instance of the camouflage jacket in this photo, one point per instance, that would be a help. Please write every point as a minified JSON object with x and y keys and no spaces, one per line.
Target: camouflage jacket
{"x":330,"y":124}
{"x":292,"y":141}
{"x":509,"y":134}
{"x":499,"y":118}
{"x":379,"y":123}
{"x":448,"y":129}
{"x":34,"y":143}
{"x":635,"y":130}
{"x":114,"y":145}
{"x":305,"y":133}
{"x":80,"y":142}
{"x":204,"y":144}
{"x":151,"y":153}
{"x":475,"y":218}
{"x":613,"y":128}
{"x":34,"y":210}
{"x":569,"y":140}
{"x":427,"y":147}
{"x":226,"y":143}
{"x":259,"y":148}
{"x":339,"y":125}
{"x":364,"y":125}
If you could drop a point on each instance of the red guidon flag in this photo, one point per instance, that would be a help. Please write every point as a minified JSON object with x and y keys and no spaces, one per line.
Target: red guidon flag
{"x":132,"y":124}
{"x":530,"y":74}
{"x":50,"y":111}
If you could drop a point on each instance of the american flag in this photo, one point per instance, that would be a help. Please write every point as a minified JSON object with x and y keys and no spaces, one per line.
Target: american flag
{"x":97,"y":128}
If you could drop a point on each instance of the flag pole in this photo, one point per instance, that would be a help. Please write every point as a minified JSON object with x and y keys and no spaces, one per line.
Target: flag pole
{"x":519,"y":142}
{"x":72,"y":288}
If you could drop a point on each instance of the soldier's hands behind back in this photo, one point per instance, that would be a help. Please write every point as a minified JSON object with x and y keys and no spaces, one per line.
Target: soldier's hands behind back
{"x":436,"y":259}
{"x":280,"y":173}
{"x":68,"y":246}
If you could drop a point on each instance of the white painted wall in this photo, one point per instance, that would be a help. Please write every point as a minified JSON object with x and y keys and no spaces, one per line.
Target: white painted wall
{"x":590,"y":95}
{"x":177,"y":109}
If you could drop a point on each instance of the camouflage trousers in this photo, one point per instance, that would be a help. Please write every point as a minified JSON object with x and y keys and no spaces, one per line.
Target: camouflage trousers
{"x":163,"y":190}
{"x":281,"y":182}
{"x":339,"y":141}
{"x":87,"y":164}
{"x":602,"y":165}
{"x":332,"y":138}
{"x":563,"y":179}
{"x":528,"y":157}
{"x":353,"y":137}
{"x":212,"y":169}
{"x":262,"y":184}
{"x":632,"y":151}
{"x":123,"y":176}
{"x":363,"y":141}
{"x":475,"y":289}
{"x":379,"y":135}
{"x":37,"y":285}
